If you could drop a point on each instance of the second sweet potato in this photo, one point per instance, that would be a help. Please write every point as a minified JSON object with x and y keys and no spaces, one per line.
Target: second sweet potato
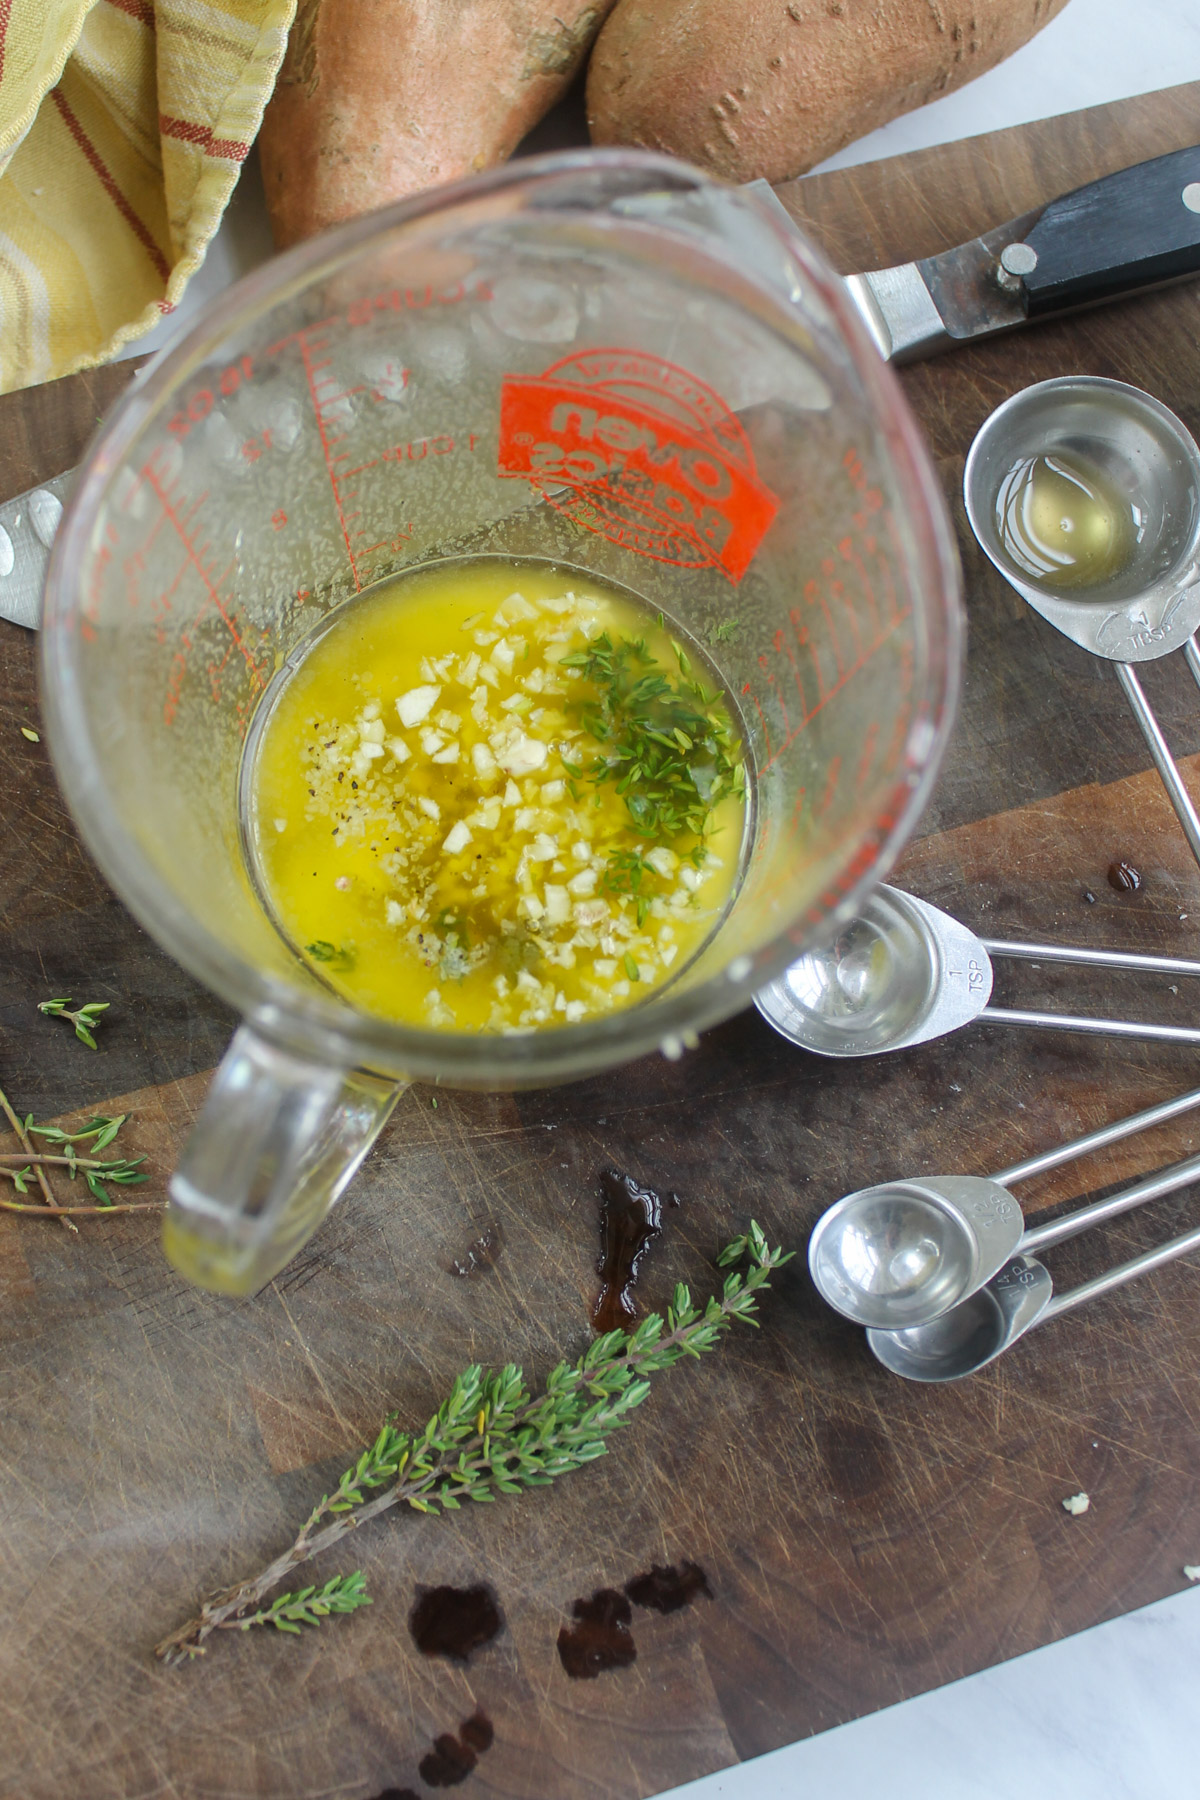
{"x":769,"y":87}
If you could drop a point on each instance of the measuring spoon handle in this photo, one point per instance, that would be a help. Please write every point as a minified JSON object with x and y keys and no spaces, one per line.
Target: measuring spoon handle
{"x":1127,"y":1271}
{"x":1126,"y":1028}
{"x":1191,"y":655}
{"x":1100,"y":1139}
{"x":1152,"y":1187}
{"x":1096,"y":959}
{"x":1164,"y":762}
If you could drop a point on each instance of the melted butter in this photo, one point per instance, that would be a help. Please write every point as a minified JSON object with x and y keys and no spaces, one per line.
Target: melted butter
{"x":1063,"y":522}
{"x":421,"y":829}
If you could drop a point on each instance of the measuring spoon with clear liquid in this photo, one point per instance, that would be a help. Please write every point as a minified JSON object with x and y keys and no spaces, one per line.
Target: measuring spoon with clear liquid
{"x":1085,"y":494}
{"x":983,"y":1327}
{"x":904,"y":972}
{"x":901,"y":1253}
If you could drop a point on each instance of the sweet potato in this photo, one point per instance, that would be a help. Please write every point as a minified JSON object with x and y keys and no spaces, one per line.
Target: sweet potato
{"x":770,"y":87}
{"x":379,"y":98}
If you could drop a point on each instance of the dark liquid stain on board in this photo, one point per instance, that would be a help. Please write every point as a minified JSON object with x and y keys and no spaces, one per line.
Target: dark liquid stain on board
{"x":481,"y":1255}
{"x":1124,"y":877}
{"x":600,"y":1638}
{"x":453,"y":1622}
{"x":630,"y":1220}
{"x":452,"y":1758}
{"x":667,"y":1590}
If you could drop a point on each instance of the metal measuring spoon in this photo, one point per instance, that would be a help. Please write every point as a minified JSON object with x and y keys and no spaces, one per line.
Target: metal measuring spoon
{"x":903,"y":1252}
{"x":1018,"y":1298}
{"x":1147,"y":607}
{"x":904,"y":972}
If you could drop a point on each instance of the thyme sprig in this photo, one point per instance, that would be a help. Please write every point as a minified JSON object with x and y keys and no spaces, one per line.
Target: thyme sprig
{"x":492,"y":1436}
{"x":98,"y":1172}
{"x":308,"y":1606}
{"x":84,"y":1018}
{"x":20,"y":1130}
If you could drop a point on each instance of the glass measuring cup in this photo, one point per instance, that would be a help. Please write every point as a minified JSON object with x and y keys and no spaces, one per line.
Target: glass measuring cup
{"x":602,"y":361}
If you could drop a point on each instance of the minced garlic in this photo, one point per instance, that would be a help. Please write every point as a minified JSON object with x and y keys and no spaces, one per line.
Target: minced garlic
{"x":449,"y":846}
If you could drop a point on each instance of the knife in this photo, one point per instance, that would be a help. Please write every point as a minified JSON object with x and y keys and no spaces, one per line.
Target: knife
{"x":1121,"y":235}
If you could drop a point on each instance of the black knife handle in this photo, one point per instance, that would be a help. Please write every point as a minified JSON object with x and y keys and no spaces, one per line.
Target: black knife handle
{"x":1127,"y":231}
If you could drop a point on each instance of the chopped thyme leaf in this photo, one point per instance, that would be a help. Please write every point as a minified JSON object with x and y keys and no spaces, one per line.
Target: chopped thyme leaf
{"x":668,"y":744}
{"x":335,"y":956}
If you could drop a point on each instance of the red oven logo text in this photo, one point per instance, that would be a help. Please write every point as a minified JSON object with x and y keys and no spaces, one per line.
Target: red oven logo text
{"x":643,"y":453}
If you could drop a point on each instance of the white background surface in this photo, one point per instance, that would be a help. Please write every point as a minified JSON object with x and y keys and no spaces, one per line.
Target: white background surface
{"x":1112,"y":1714}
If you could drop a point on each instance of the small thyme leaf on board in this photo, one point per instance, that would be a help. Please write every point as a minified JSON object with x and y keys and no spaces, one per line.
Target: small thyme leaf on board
{"x":491,"y":1436}
{"x":84,"y":1018}
{"x":27,"y":731}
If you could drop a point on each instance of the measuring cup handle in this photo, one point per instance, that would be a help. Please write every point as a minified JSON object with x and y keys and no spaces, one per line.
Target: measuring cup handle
{"x":278,"y":1138}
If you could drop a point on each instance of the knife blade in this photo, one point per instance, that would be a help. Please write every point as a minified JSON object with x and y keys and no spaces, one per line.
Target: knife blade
{"x":27,"y":528}
{"x":1120,"y":235}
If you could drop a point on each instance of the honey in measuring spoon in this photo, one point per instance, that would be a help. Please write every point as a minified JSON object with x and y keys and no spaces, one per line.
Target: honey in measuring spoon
{"x":1063,"y":522}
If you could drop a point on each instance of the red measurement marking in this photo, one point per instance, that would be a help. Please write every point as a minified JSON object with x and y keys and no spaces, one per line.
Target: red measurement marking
{"x":310,"y":346}
{"x":768,"y":671}
{"x":831,"y":781}
{"x":846,"y":676}
{"x":90,"y":616}
{"x":160,"y":606}
{"x":837,"y":594}
{"x":781,"y":643}
{"x":279,"y":519}
{"x":216,"y":670}
{"x":391,"y":384}
{"x":417,"y":449}
{"x":837,"y":591}
{"x":253,"y":447}
{"x":361,"y":312}
{"x":394,"y":544}
{"x":766,"y":730}
{"x":201,"y":403}
{"x":899,"y":743}
{"x":195,"y":555}
{"x":813,"y":597}
{"x":850,"y":554}
{"x":868,"y":753}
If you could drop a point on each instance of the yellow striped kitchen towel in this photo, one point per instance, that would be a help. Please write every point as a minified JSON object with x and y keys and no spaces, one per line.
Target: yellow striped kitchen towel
{"x":123,"y":127}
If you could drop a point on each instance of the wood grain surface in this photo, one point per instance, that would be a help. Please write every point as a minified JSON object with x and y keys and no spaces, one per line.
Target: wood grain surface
{"x":863,"y":1540}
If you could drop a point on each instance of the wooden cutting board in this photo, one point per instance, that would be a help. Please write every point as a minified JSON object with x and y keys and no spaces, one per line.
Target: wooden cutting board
{"x":863,"y":1540}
